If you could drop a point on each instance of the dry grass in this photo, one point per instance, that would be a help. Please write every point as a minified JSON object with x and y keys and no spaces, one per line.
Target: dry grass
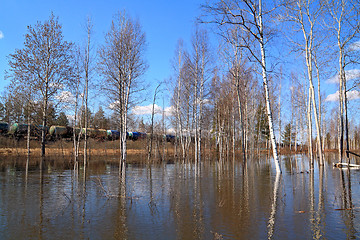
{"x":64,"y":151}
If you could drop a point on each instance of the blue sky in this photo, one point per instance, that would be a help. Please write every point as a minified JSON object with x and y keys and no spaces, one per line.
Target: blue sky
{"x":164,"y":22}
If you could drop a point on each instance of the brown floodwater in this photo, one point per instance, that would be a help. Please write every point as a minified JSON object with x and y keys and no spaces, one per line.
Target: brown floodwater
{"x":182,"y":201}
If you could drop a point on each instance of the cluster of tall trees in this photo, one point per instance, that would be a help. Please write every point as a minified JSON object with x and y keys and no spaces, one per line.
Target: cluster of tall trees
{"x":239,"y":111}
{"x":51,"y":71}
{"x":227,"y":97}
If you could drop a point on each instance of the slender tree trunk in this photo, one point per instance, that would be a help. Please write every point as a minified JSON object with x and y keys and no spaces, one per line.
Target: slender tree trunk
{"x":233,"y":134}
{"x":242,"y":134}
{"x":304,"y":10}
{"x":28,"y":142}
{"x":200,"y":112}
{"x":342,"y":103}
{"x":87,"y":62}
{"x":266,"y":88}
{"x":341,"y":111}
{"x":152,"y":124}
{"x":76,"y":146}
{"x":296,"y":130}
{"x":346,"y":124}
{"x":319,"y":102}
{"x":312,"y":95}
{"x":310,"y":149}
{"x":86,"y":124}
{"x":125,"y":102}
{"x":178,"y":113}
{"x":280,"y":112}
{"x":43,"y":130}
{"x":195,"y":114}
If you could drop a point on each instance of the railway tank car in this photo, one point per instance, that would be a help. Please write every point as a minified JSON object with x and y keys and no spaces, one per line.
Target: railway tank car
{"x":4,"y":128}
{"x":57,"y":132}
{"x":19,"y":130}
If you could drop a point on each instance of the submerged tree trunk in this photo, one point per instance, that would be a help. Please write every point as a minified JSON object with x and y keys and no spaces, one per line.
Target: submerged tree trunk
{"x":266,"y":88}
{"x":309,"y":62}
{"x":43,"y":130}
{"x":76,"y":142}
{"x":242,"y":133}
{"x":310,"y":148}
{"x":319,"y":102}
{"x":342,"y":102}
{"x":87,"y":78}
{"x":28,"y":143}
{"x":180,"y":135}
{"x":152,"y":123}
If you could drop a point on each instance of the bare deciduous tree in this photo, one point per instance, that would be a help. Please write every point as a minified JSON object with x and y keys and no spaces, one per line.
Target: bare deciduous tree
{"x":248,"y":15}
{"x":87,"y":61}
{"x":305,"y":17}
{"x":200,"y":69}
{"x":345,"y":25}
{"x":121,"y":65}
{"x":44,"y":64}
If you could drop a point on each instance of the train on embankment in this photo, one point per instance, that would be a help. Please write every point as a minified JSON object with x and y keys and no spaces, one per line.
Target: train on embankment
{"x":19,"y":131}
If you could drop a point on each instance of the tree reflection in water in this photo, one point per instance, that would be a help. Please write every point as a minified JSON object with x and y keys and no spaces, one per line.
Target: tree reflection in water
{"x":221,"y":200}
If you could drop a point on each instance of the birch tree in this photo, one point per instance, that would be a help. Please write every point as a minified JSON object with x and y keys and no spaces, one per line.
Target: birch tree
{"x":237,"y":64}
{"x":248,"y":15}
{"x":199,"y":61}
{"x":75,"y":89}
{"x":183,"y":99}
{"x":121,"y":65}
{"x":87,"y":61}
{"x":43,"y":64}
{"x":179,"y":67}
{"x":305,"y":17}
{"x":152,"y":123}
{"x":345,"y":25}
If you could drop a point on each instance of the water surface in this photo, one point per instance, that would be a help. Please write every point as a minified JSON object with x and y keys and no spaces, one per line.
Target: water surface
{"x":179,"y":201}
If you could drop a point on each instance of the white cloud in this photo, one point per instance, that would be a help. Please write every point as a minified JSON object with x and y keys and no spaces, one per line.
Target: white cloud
{"x":352,"y":95}
{"x":67,"y":98}
{"x":355,"y":46}
{"x":1,"y":35}
{"x":114,"y":105}
{"x":147,"y":110}
{"x":332,"y":97}
{"x":142,"y":110}
{"x":169,"y":111}
{"x":349,"y":74}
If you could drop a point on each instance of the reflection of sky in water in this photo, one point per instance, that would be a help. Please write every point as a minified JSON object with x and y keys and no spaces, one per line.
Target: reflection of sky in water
{"x":172,"y":202}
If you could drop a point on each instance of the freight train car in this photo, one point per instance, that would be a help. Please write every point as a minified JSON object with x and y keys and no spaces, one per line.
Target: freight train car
{"x":95,"y":133}
{"x":4,"y":128}
{"x":19,"y":130}
{"x":113,"y":134}
{"x":135,"y":135}
{"x":57,"y":132}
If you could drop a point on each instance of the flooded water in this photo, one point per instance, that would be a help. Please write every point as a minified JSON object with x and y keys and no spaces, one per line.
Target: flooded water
{"x":179,"y":201}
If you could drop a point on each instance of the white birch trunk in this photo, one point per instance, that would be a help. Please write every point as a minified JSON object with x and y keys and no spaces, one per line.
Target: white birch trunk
{"x":178,"y":113}
{"x":310,"y":133}
{"x":266,"y":88}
